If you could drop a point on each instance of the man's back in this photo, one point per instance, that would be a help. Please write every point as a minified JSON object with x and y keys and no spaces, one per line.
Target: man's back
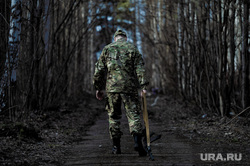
{"x":124,"y":66}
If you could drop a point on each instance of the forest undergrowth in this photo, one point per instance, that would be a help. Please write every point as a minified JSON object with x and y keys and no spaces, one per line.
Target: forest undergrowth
{"x":43,"y":139}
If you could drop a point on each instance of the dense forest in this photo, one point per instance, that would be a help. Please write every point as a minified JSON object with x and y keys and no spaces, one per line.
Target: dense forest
{"x":197,"y":49}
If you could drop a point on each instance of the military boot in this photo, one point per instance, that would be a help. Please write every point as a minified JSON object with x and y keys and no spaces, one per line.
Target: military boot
{"x":138,"y":145}
{"x":116,"y":146}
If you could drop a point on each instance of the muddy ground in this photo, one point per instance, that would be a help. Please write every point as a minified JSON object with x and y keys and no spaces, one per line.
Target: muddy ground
{"x":52,"y":137}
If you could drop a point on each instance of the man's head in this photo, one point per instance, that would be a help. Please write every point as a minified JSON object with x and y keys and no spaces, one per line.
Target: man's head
{"x":120,"y":34}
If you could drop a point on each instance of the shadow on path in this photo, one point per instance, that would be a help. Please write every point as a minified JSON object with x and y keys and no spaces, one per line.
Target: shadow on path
{"x":95,"y":149}
{"x":170,"y":150}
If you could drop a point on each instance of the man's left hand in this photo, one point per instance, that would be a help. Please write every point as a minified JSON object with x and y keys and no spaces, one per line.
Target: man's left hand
{"x":99,"y":95}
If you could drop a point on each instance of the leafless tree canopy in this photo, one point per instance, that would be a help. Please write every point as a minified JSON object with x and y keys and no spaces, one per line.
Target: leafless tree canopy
{"x":192,"y":48}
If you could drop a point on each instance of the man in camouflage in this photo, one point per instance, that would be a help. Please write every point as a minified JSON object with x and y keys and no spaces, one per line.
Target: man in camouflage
{"x":122,"y":65}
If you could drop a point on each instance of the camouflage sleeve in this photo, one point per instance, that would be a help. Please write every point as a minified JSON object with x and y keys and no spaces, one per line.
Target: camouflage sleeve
{"x":140,"y":70}
{"x":99,"y":75}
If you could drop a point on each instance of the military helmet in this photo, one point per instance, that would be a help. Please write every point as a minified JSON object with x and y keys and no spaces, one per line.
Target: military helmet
{"x":120,"y":32}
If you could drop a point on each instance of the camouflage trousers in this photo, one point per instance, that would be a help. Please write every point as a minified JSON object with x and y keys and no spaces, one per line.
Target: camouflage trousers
{"x":132,"y":107}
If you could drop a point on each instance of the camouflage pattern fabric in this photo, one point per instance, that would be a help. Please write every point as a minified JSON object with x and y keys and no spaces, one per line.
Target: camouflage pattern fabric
{"x":122,"y":65}
{"x":120,"y":32}
{"x":120,"y":70}
{"x":133,"y":108}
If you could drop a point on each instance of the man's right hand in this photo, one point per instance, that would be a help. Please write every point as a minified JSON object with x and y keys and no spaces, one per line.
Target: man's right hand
{"x":99,"y":95}
{"x":143,"y":91}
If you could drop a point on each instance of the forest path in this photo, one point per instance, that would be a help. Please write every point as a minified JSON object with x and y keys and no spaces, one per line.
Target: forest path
{"x":95,"y":149}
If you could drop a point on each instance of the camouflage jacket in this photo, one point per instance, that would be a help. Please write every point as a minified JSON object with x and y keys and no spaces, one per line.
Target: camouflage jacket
{"x":122,"y":65}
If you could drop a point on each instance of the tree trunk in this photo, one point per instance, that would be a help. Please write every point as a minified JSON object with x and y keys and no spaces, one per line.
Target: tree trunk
{"x":220,"y":61}
{"x":5,"y":10}
{"x":245,"y":57}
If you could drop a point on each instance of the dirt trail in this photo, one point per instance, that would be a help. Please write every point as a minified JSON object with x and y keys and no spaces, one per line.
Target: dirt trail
{"x":77,"y":134}
{"x":96,"y":147}
{"x":171,"y":150}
